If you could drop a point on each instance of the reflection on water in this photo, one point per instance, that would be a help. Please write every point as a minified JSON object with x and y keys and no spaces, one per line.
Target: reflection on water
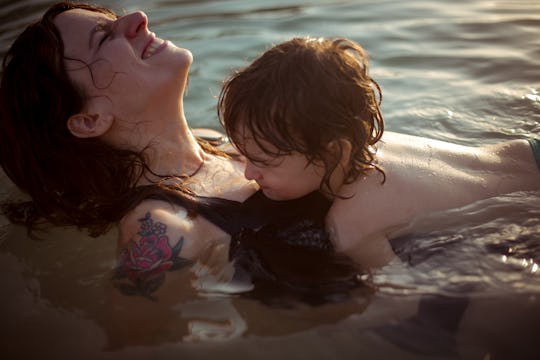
{"x":489,"y":247}
{"x":464,"y":71}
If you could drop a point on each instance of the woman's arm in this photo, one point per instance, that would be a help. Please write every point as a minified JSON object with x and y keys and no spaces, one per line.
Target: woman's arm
{"x":154,"y":239}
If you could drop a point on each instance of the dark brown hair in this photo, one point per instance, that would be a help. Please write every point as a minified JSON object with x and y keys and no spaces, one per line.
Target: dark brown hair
{"x":303,"y":94}
{"x":71,"y":181}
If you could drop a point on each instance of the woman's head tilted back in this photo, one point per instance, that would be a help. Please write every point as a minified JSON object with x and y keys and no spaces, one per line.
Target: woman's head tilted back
{"x":72,"y":180}
{"x":303,"y":95}
{"x":37,"y":97}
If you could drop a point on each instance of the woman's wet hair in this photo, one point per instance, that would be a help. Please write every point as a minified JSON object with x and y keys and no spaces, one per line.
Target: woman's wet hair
{"x":70,"y":180}
{"x":302,"y":95}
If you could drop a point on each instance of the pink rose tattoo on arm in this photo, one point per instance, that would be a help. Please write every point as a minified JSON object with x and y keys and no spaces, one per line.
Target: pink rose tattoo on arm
{"x":142,"y":266}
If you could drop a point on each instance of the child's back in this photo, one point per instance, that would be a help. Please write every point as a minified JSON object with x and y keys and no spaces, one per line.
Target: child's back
{"x":422,"y":176}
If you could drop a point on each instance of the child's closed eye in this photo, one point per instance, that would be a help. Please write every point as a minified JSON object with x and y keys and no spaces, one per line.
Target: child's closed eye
{"x":267,"y":163}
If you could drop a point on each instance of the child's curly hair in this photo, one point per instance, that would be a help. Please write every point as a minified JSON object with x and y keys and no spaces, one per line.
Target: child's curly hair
{"x":302,"y":95}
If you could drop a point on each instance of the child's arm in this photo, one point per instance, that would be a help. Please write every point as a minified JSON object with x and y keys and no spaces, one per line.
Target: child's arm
{"x":367,"y":250}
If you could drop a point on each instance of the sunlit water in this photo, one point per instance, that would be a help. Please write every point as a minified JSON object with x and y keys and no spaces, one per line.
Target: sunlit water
{"x":468,"y":281}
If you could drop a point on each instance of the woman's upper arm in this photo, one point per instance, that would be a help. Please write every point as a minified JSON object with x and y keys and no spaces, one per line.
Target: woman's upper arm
{"x":153,"y":240}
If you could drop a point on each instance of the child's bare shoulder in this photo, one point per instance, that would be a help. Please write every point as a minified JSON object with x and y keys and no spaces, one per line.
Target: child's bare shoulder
{"x":361,"y":206}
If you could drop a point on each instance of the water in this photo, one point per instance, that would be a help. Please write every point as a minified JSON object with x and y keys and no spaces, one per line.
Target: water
{"x":463,"y":71}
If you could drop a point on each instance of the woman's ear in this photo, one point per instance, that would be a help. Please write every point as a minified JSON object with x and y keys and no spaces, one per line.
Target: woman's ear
{"x":85,"y":125}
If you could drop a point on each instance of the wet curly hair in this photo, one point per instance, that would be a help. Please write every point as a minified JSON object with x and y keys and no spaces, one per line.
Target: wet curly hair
{"x":303,"y":94}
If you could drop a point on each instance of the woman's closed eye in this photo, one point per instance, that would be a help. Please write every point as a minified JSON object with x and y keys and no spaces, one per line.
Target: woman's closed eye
{"x":103,"y":29}
{"x":107,"y":33}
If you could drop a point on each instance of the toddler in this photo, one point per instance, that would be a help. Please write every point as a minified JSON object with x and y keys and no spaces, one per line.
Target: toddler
{"x":306,"y":115}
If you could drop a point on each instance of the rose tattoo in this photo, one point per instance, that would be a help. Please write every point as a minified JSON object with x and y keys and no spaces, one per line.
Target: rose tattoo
{"x":142,"y":266}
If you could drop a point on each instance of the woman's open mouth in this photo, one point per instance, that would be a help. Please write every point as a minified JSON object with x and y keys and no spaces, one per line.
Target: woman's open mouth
{"x":154,"y":46}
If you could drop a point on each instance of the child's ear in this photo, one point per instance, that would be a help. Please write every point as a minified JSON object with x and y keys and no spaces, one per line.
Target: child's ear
{"x":85,"y":125}
{"x":341,"y":148}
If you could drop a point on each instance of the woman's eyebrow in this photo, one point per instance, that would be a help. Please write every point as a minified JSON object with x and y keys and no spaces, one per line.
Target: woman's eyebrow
{"x":93,"y":31}
{"x":100,"y":25}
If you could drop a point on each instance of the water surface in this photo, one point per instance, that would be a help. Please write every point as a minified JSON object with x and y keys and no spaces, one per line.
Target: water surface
{"x":466,"y":71}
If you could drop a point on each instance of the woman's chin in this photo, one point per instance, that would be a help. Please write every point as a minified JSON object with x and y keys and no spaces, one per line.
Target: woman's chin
{"x":184,"y":55}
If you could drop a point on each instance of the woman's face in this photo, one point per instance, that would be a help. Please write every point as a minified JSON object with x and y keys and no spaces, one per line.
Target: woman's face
{"x":120,"y":62}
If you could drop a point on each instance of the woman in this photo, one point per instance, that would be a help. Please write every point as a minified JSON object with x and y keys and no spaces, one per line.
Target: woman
{"x":95,"y":132}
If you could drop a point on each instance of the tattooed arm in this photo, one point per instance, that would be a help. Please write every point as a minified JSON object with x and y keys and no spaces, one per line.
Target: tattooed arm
{"x":154,"y":240}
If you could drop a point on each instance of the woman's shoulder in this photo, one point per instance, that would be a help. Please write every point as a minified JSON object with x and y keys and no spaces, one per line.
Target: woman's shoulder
{"x":155,"y":238}
{"x":154,"y":219}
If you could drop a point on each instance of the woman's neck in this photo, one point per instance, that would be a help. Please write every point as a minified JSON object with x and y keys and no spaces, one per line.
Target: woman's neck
{"x":176,"y":153}
{"x":165,"y":139}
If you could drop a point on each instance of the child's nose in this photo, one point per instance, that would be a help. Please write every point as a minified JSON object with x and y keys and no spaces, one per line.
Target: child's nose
{"x":131,"y":24}
{"x":251,"y":172}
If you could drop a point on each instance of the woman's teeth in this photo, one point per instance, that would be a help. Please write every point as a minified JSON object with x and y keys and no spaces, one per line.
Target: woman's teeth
{"x":151,"y":49}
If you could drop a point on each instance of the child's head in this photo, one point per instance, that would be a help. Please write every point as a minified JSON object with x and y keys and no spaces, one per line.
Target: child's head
{"x":311,"y":98}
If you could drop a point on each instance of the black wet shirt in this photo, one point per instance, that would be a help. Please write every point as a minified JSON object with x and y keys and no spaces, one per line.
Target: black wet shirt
{"x":258,"y":211}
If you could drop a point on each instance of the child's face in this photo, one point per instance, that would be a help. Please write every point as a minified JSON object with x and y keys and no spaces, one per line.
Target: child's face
{"x":283,"y":177}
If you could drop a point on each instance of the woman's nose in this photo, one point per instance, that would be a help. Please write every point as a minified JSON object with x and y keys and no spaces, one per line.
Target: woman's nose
{"x":131,"y":24}
{"x":251,"y":172}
